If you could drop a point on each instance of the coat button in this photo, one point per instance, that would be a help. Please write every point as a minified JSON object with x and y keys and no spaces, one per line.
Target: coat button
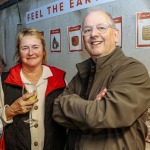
{"x":36,"y":125}
{"x":35,"y":143}
{"x":36,"y":107}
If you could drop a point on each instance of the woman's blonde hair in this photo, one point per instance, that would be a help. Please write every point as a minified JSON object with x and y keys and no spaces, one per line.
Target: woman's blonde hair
{"x":32,"y":32}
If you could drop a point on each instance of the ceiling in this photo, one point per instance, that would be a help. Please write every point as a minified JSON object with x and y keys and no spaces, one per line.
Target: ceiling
{"x":7,"y":3}
{"x":3,"y":1}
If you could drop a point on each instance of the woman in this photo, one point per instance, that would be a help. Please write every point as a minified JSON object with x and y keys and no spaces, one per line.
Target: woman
{"x":45,"y":134}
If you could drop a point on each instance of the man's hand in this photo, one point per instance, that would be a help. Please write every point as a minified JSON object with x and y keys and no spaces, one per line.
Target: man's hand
{"x":101,"y":94}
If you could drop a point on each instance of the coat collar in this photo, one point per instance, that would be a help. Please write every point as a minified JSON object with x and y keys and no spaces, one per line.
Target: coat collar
{"x":55,"y":81}
{"x":84,"y":67}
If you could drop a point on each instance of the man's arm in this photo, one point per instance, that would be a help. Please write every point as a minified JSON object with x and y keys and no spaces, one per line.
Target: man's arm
{"x":128,"y":92}
{"x":69,"y":91}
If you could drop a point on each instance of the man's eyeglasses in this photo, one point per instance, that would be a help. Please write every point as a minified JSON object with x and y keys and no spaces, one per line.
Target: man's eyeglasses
{"x":101,"y":28}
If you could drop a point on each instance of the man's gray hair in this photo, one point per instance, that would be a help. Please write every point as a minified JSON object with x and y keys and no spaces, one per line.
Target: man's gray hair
{"x":97,"y":9}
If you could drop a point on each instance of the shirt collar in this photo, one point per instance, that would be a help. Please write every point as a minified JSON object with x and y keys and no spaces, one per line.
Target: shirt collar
{"x":46,"y":74}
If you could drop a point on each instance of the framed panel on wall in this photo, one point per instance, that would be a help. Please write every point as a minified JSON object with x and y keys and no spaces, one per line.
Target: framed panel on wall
{"x":74,"y":38}
{"x":118,"y":24}
{"x":55,"y":40}
{"x":142,"y":29}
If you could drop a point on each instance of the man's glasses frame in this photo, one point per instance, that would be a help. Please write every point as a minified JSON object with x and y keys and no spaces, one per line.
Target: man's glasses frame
{"x":101,"y":28}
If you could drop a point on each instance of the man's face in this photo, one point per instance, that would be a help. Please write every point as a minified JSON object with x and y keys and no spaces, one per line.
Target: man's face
{"x":99,"y":44}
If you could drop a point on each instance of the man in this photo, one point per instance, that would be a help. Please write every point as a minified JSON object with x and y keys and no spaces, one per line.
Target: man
{"x":2,"y":64}
{"x":114,"y":120}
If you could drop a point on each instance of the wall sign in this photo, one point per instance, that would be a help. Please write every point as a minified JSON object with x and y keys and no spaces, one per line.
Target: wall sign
{"x":143,"y":29}
{"x":118,"y":24}
{"x":74,"y":38}
{"x":60,"y":7}
{"x":55,"y":40}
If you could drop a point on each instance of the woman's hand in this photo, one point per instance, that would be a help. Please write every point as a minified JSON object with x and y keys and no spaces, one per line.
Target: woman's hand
{"x":21,"y":105}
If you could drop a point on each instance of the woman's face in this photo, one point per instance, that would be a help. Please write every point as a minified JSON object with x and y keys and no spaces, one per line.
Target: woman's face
{"x":31,"y":51}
